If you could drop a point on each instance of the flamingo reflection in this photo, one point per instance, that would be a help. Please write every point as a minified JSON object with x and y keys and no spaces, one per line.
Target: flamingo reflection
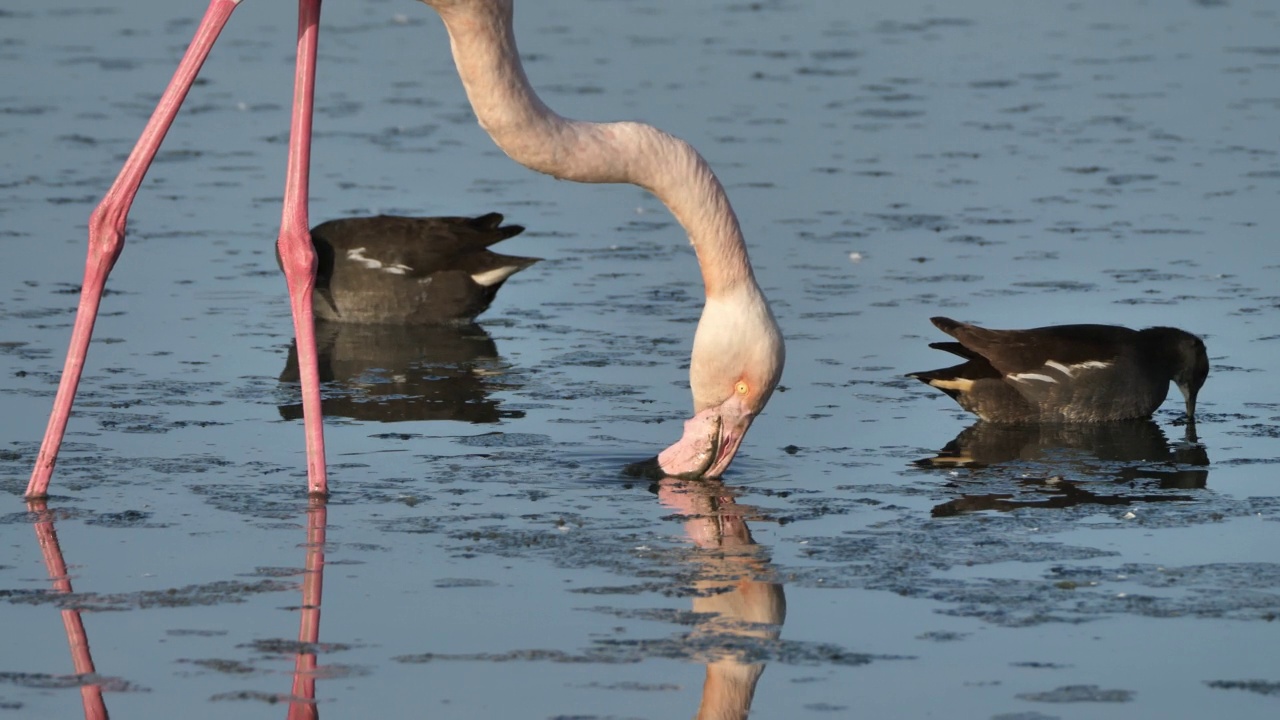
{"x":730,"y":591}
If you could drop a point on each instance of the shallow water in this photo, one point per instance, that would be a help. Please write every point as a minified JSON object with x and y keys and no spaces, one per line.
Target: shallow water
{"x":483,"y":553}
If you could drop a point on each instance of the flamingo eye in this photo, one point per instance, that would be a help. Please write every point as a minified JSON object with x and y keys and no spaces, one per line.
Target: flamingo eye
{"x":741,"y":387}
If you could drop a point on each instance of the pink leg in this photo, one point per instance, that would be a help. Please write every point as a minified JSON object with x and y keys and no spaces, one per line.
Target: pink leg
{"x":297,"y":255}
{"x":107,"y":229}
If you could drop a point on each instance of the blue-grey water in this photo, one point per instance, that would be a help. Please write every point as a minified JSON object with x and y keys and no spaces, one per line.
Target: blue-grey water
{"x":1009,"y":163}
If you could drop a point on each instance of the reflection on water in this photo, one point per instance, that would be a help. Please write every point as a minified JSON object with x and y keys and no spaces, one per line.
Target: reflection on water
{"x":302,"y":700}
{"x":741,"y":607}
{"x":90,"y":691}
{"x":390,"y":373}
{"x":1130,"y":455}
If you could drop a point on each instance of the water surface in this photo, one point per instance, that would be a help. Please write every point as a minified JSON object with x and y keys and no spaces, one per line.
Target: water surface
{"x":483,"y":554}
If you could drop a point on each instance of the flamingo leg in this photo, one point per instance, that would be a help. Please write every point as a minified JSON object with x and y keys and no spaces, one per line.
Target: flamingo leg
{"x":297,"y":255}
{"x":107,"y":230}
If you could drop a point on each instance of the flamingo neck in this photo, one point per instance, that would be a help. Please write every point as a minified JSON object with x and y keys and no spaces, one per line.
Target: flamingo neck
{"x":484,"y":49}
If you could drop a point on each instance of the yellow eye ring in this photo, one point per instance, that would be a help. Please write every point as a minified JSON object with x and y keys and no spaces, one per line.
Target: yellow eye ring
{"x":741,"y":387}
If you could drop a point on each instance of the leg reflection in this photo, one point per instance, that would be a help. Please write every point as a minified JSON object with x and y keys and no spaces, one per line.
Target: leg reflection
{"x":302,"y":703}
{"x":90,"y":695}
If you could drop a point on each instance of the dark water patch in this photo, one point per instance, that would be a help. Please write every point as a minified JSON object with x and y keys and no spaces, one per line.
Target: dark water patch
{"x":1261,"y":687}
{"x":171,"y":393}
{"x":276,"y":572}
{"x":23,"y":351}
{"x":435,"y":523}
{"x":281,"y":646}
{"x":992,"y":84}
{"x":666,"y":589}
{"x":1165,"y":231}
{"x":669,"y":616}
{"x":226,"y":667}
{"x":975,"y":240}
{"x":1037,"y":665}
{"x":263,"y":697}
{"x":1257,"y":430}
{"x":585,"y":358}
{"x":896,"y":27}
{"x":184,"y":632}
{"x":1129,"y":179}
{"x":1058,"y":285}
{"x":1146,"y":301}
{"x":813,"y":508}
{"x":633,"y":686}
{"x":907,"y":555}
{"x":1230,"y":462}
{"x":946,"y":278}
{"x":43,"y":681}
{"x":129,"y":519}
{"x":693,"y":648}
{"x":451,"y":583}
{"x":943,"y":636}
{"x":836,"y":315}
{"x":1262,"y":50}
{"x":283,"y":499}
{"x":890,"y":114}
{"x":873,"y":558}
{"x":212,"y":593}
{"x":903,"y":222}
{"x":504,"y":440}
{"x":1078,"y":693}
{"x":1141,"y":275}
{"x":980,"y":220}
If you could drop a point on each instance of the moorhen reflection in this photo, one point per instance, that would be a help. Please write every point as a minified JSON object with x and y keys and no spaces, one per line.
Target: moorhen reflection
{"x":739,"y":606}
{"x":389,"y":373}
{"x":1128,"y":452}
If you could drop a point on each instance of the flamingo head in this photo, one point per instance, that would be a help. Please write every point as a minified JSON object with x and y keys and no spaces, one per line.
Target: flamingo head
{"x":738,"y":354}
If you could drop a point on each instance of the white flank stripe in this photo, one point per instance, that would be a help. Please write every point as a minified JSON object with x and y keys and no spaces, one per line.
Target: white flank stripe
{"x":1024,"y":377}
{"x":1091,"y":365}
{"x":357,"y":255}
{"x":1054,"y":364}
{"x":493,"y":277}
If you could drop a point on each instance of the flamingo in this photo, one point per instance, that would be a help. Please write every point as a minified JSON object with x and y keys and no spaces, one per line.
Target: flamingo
{"x":738,"y":350}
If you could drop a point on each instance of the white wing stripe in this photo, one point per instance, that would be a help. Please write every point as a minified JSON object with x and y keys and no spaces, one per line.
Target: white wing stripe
{"x":1026,"y":377}
{"x":357,"y":255}
{"x":1054,"y":364}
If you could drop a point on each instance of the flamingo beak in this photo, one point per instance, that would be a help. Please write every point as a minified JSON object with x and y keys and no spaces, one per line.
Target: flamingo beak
{"x":711,"y":439}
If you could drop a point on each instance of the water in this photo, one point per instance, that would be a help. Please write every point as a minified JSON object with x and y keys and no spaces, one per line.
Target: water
{"x":1010,"y":165}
